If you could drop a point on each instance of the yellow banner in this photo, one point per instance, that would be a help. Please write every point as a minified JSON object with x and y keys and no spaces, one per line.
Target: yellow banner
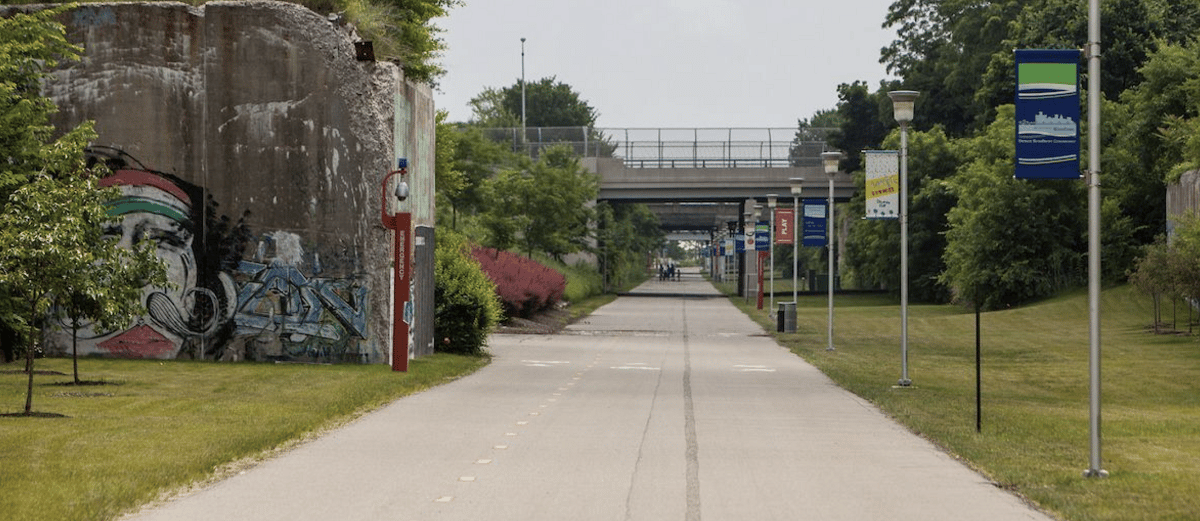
{"x":883,"y":184}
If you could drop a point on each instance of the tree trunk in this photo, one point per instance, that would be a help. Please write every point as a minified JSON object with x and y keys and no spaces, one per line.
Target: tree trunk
{"x":29,"y":365}
{"x":1155,"y":298}
{"x":75,"y":348}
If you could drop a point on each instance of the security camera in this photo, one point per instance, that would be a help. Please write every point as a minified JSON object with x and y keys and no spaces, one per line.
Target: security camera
{"x":401,"y":191}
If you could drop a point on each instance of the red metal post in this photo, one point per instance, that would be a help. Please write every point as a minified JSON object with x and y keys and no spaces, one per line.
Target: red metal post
{"x":401,"y":223}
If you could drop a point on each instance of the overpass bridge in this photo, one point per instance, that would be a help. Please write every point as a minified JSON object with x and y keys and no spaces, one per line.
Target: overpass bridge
{"x":694,"y":179}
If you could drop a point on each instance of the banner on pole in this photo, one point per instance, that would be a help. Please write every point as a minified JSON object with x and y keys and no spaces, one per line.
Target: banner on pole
{"x":784,"y":223}
{"x":1047,"y":114}
{"x":883,"y":184}
{"x":762,"y":236}
{"x":727,"y":247}
{"x":814,"y":222}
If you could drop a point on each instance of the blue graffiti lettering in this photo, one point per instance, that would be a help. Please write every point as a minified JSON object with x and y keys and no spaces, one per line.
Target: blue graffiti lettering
{"x":94,"y":16}
{"x":282,"y":300}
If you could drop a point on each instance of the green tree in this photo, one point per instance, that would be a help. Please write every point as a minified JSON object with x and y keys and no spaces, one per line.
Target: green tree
{"x":1152,"y":275}
{"x":52,"y":248}
{"x":626,"y":233}
{"x":546,"y":206}
{"x":866,"y":118}
{"x":449,"y":179}
{"x":475,"y":159}
{"x":1131,"y":31}
{"x":548,"y":103}
{"x":52,"y":245}
{"x":808,"y":142}
{"x":873,"y":246}
{"x":30,"y":44}
{"x":943,"y":48}
{"x":108,"y":288}
{"x":1151,"y":137}
{"x":488,"y":109}
{"x":1170,"y":267}
{"x":1010,"y":241}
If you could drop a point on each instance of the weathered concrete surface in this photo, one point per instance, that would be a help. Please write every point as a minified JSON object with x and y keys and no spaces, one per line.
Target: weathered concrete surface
{"x":620,"y":183}
{"x":1183,"y":198}
{"x":262,"y":114}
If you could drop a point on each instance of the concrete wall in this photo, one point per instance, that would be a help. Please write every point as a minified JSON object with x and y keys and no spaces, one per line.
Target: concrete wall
{"x":1183,"y":198}
{"x":277,"y":139}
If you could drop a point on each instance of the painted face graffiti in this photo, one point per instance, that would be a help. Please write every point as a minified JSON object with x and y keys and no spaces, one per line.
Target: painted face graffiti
{"x":152,"y":207}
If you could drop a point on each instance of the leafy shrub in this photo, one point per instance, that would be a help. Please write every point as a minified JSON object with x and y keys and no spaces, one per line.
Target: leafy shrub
{"x":523,"y":285}
{"x":465,"y":306}
{"x":583,"y":280}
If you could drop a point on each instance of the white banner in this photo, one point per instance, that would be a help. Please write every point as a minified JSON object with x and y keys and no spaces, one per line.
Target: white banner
{"x":883,"y":184}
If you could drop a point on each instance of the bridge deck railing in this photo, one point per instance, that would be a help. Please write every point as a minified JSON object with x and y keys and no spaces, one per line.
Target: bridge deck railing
{"x":676,"y":147}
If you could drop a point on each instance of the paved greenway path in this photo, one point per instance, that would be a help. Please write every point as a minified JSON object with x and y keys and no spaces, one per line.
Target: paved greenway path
{"x":657,"y":407}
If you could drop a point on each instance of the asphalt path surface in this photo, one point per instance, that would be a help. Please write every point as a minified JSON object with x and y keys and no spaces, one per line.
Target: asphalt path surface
{"x":668,"y":404}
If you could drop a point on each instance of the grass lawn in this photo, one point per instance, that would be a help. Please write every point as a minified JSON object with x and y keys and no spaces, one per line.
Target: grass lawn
{"x":153,"y":427}
{"x":1035,"y":438}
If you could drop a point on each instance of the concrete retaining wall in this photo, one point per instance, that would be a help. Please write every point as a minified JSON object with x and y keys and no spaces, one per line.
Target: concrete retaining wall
{"x":267,"y":140}
{"x":1183,"y":198}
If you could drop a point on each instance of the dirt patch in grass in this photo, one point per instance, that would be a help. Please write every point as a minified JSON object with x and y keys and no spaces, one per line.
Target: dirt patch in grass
{"x":547,"y":322}
{"x":35,"y":415}
{"x":85,"y":383}
{"x":35,"y":372}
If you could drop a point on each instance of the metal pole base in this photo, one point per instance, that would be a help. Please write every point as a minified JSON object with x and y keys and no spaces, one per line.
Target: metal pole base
{"x":830,"y":349}
{"x":1095,"y":473}
{"x":905,"y":382}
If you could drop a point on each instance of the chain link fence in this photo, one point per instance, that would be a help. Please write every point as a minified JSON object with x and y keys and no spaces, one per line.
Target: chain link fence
{"x":676,"y":147}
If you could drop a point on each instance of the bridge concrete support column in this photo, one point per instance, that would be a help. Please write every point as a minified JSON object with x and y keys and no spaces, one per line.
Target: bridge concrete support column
{"x":747,"y":274}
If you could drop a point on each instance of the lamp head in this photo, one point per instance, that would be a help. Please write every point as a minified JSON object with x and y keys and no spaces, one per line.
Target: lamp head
{"x":831,"y":160}
{"x":902,"y":104}
{"x":401,"y":190}
{"x":797,"y":185}
{"x":771,"y":199}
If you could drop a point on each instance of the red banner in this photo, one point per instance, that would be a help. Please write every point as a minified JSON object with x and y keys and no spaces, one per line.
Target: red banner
{"x":784,"y":226}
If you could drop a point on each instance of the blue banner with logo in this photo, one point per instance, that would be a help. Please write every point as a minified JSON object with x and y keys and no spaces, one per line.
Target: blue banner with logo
{"x":762,"y":236}
{"x":1047,"y":114}
{"x":814,"y":222}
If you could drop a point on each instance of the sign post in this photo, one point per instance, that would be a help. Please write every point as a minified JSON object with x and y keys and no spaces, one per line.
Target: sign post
{"x":401,"y":223}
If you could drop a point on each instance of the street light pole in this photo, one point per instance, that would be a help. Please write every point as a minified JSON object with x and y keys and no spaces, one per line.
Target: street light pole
{"x":902,"y":107}
{"x":831,"y":160}
{"x":797,"y":184}
{"x":1093,"y":181}
{"x":771,"y":201}
{"x":522,"y":89}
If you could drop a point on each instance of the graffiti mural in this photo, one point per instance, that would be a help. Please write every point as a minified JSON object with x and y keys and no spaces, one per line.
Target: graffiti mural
{"x":283,"y":314}
{"x":273,"y":306}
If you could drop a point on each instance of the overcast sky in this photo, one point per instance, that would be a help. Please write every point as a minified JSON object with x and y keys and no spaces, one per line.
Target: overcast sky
{"x":669,"y":63}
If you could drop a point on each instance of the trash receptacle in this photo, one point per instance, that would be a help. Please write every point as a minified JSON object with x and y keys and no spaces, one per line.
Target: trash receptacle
{"x":786,"y":321}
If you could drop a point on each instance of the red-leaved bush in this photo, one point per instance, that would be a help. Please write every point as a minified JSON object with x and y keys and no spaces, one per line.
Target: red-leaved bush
{"x":525,"y":286}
